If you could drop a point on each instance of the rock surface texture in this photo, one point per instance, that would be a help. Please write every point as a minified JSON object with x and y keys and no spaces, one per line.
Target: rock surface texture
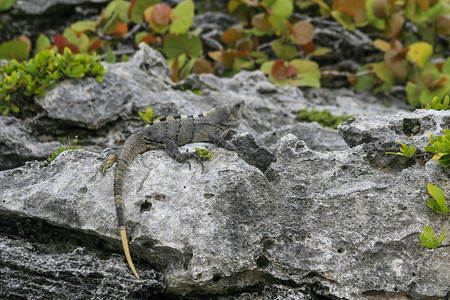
{"x":322,"y":214}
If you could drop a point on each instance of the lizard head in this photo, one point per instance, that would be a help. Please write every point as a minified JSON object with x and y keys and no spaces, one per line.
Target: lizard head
{"x":227,"y":115}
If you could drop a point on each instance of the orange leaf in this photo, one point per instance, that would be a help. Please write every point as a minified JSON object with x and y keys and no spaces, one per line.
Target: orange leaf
{"x":394,"y":25}
{"x":202,"y":66}
{"x":130,"y":9}
{"x":443,"y":24}
{"x":244,"y":47}
{"x":439,"y":82}
{"x":354,"y":8}
{"x":303,"y":32}
{"x":121,"y":29}
{"x":261,"y":21}
{"x":95,"y":45}
{"x":423,"y":4}
{"x":227,"y":58}
{"x":232,"y":34}
{"x":352,"y":78}
{"x":148,"y":39}
{"x":161,"y":14}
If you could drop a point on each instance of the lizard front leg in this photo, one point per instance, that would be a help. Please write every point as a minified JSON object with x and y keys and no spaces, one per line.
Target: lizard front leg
{"x":106,"y":164}
{"x":174,"y":152}
{"x":217,"y":139}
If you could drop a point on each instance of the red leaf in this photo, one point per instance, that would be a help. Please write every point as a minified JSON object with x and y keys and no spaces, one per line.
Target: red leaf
{"x":61,"y":42}
{"x":161,"y":14}
{"x":309,"y":47}
{"x":130,"y":9}
{"x":175,"y":70}
{"x":290,"y":71}
{"x":279,"y":70}
{"x":100,"y":19}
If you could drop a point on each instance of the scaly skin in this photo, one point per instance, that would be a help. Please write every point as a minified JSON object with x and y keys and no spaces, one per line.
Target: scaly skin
{"x":169,"y":133}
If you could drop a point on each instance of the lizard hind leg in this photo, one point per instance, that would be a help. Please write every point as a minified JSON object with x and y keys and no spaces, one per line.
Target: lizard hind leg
{"x":108,"y":162}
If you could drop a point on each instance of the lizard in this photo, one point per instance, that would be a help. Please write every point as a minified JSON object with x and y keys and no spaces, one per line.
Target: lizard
{"x":169,"y":133}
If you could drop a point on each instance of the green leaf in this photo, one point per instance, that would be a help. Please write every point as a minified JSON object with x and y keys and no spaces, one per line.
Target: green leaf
{"x":42,"y":42}
{"x":187,"y":68}
{"x":343,"y":19}
{"x":439,"y":205}
{"x":182,"y":17}
{"x":445,"y":161}
{"x":286,"y":52}
{"x":120,"y":7}
{"x":429,"y":239}
{"x":110,"y":57}
{"x":446,"y":67}
{"x":379,"y":24}
{"x":383,"y":72}
{"x":14,"y":50}
{"x":82,"y":26}
{"x":279,"y":24}
{"x":70,"y":35}
{"x":204,"y":153}
{"x":137,"y":9}
{"x":6,"y":4}
{"x":282,"y":8}
{"x":184,"y":44}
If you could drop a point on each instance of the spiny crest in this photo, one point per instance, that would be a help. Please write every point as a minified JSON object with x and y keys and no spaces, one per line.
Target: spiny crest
{"x":234,"y":108}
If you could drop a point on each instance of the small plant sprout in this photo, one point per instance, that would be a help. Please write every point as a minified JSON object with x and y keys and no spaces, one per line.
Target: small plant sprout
{"x":65,"y":148}
{"x":429,"y":239}
{"x":148,"y":116}
{"x":204,"y":153}
{"x":437,"y":105}
{"x":440,"y":145}
{"x":405,"y":150}
{"x":438,"y":204}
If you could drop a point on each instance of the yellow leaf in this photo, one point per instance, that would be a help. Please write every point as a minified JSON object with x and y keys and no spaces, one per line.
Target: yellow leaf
{"x":382,"y":45}
{"x":438,"y":156}
{"x":419,"y":53}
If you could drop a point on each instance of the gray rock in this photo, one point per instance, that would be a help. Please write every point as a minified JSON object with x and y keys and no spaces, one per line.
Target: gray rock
{"x":314,"y":223}
{"x":316,"y":137}
{"x":18,"y":145}
{"x":37,"y":7}
{"x":382,"y":134}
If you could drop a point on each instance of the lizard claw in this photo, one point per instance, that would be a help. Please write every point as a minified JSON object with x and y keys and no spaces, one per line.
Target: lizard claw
{"x":106,"y":164}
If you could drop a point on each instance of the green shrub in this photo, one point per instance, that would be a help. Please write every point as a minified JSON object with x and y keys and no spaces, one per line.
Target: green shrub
{"x":33,"y":77}
{"x":324,"y":118}
{"x":65,"y":148}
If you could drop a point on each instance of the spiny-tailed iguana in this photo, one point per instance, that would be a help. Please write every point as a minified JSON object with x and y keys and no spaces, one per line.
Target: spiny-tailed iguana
{"x":169,"y":133}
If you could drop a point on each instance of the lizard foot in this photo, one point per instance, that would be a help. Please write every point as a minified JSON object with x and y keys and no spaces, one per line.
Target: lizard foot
{"x":183,"y":157}
{"x":106,"y":164}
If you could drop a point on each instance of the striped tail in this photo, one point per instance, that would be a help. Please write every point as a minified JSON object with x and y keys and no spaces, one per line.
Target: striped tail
{"x":126,"y":156}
